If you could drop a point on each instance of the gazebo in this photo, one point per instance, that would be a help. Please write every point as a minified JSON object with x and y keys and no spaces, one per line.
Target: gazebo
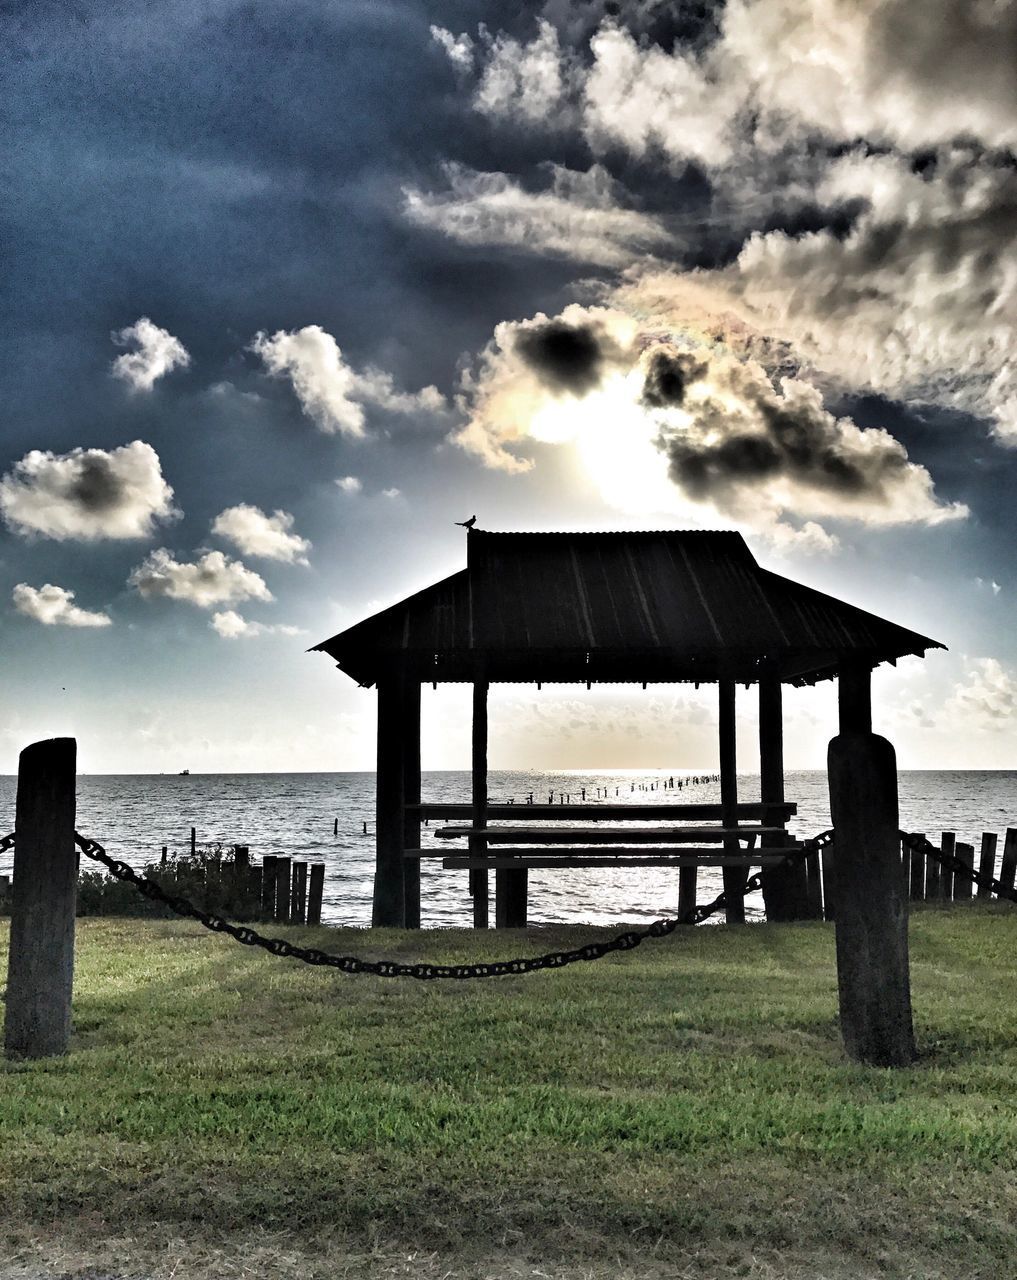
{"x":636,"y":607}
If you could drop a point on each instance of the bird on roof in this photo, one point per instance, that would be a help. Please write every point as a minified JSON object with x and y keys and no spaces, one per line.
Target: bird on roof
{"x":466,"y":524}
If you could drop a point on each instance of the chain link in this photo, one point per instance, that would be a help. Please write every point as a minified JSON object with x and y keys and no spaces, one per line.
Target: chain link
{"x":957,"y":865}
{"x":249,"y":937}
{"x":6,"y":842}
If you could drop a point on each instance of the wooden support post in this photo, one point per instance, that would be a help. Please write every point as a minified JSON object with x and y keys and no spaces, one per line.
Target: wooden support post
{"x":268,"y":886}
{"x":785,"y":889}
{"x":1008,"y":866}
{"x":479,"y":878}
{"x":298,"y":910}
{"x":40,"y":966}
{"x":945,"y":873}
{"x":389,"y":907}
{"x":687,"y":892}
{"x":282,"y":889}
{"x":987,"y":862}
{"x":917,"y":874}
{"x":962,"y":884}
{"x":872,"y":941}
{"x":510,"y":893}
{"x":314,"y":893}
{"x":734,"y":877}
{"x":411,"y":796}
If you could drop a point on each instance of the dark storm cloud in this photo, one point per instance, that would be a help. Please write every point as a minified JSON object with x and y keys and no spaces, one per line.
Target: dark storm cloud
{"x":97,"y":484}
{"x":750,"y":435}
{"x":668,"y":374}
{"x":565,"y":357}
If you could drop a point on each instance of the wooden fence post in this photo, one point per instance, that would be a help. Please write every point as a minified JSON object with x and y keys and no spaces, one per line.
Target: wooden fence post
{"x":282,"y":889}
{"x":872,"y":923}
{"x":948,"y":846}
{"x":314,"y":894}
{"x":268,"y":886}
{"x":299,"y":912}
{"x":962,"y":884}
{"x":40,"y":967}
{"x":918,"y":871}
{"x":987,"y":862}
{"x":1009,"y":864}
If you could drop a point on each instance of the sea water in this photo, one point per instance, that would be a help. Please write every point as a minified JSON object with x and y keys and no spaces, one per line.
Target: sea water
{"x":134,"y":815}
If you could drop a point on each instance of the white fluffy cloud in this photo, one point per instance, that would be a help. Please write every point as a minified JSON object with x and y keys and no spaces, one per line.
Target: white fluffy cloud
{"x":523,"y":81}
{"x":349,"y":484}
{"x":233,"y":626}
{"x":210,"y":580}
{"x":458,"y":48}
{"x":986,"y":698}
{"x":156,"y":353}
{"x":254,"y":533}
{"x":686,"y":428}
{"x":87,"y":494}
{"x":579,"y":216}
{"x":330,"y":391}
{"x":55,"y":607}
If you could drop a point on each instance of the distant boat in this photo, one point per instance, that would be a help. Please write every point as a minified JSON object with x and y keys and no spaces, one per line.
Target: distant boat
{"x":184,"y":773}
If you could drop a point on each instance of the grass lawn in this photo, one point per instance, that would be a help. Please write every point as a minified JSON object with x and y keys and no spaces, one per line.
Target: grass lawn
{"x":681,"y":1110}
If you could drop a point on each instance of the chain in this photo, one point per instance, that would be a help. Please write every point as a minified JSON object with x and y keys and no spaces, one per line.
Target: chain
{"x":425,"y":972}
{"x":957,"y":865}
{"x":6,"y":842}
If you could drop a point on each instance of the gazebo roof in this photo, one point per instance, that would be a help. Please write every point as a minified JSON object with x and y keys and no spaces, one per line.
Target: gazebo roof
{"x":660,"y":606}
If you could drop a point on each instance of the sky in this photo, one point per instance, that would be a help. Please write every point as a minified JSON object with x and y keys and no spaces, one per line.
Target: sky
{"x":292,"y":286}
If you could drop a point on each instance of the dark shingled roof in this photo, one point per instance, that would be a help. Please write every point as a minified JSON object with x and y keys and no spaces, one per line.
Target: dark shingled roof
{"x":659,"y":606}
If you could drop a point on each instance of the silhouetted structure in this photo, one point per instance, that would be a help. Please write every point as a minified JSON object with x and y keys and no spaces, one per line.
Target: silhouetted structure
{"x":619,"y":607}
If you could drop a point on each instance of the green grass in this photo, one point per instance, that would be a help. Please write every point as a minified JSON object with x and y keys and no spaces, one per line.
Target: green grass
{"x":684,"y":1109}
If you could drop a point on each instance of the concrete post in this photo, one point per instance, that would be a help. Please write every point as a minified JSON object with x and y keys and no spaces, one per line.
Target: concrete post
{"x":40,"y":970}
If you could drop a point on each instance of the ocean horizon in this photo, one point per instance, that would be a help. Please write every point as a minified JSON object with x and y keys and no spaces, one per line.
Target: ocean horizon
{"x":134,"y":815}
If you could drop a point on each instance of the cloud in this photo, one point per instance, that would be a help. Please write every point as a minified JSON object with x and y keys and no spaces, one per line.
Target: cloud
{"x":210,"y":580}
{"x":520,"y":81}
{"x":87,"y":494}
{"x":579,"y":216}
{"x":391,"y":493}
{"x":986,"y":699}
{"x":254,"y":533}
{"x":330,"y":392}
{"x":157,"y":354}
{"x":899,"y":74}
{"x":349,"y":484}
{"x":458,"y":48}
{"x":54,"y":607}
{"x":233,"y":626}
{"x":686,"y":427}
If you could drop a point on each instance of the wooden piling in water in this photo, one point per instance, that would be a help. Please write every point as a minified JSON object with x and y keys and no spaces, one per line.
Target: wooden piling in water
{"x":987,"y":862}
{"x":40,"y":965}
{"x":315,"y":890}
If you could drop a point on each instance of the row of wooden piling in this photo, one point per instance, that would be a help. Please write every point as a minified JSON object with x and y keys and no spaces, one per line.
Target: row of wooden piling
{"x":291,"y":891}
